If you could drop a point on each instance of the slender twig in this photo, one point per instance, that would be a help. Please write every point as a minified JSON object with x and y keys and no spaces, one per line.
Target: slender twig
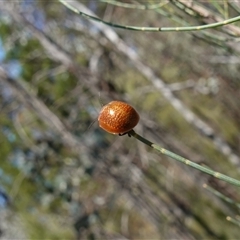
{"x":221,"y":196}
{"x":230,"y":219}
{"x":235,"y":7}
{"x":135,"y":6}
{"x":185,"y":161}
{"x":152,"y":29}
{"x":158,"y":8}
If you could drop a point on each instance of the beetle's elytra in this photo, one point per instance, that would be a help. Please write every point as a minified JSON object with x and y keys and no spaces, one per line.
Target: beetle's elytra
{"x":118,"y":117}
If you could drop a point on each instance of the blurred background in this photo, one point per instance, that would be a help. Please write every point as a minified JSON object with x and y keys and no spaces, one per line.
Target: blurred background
{"x":61,"y":176}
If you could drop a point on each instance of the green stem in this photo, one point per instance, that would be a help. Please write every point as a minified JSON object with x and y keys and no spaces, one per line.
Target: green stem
{"x":221,"y":196}
{"x":152,"y":29}
{"x":185,"y":161}
{"x":134,"y":6}
{"x":230,"y":219}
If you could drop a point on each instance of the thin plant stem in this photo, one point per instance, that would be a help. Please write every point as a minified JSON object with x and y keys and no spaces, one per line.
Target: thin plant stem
{"x":230,"y":219}
{"x":235,"y":7}
{"x":158,"y":8}
{"x":184,"y":160}
{"x":134,"y":6}
{"x":220,"y":195}
{"x":152,"y":29}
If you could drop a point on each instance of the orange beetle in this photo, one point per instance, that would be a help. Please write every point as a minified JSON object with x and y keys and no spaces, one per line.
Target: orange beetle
{"x":118,"y":117}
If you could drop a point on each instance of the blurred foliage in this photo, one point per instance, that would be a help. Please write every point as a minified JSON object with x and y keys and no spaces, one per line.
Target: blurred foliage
{"x":106,"y":186}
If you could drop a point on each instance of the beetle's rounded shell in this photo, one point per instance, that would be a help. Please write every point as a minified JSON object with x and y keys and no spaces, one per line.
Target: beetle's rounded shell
{"x":118,"y":117}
